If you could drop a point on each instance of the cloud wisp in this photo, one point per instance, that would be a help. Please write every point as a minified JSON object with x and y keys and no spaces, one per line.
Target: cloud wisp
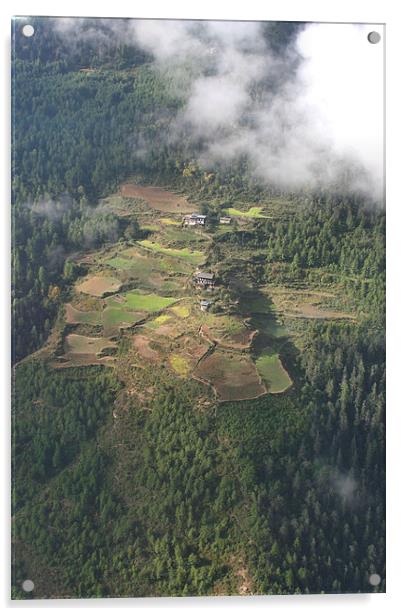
{"x":309,"y":117}
{"x":307,"y":114}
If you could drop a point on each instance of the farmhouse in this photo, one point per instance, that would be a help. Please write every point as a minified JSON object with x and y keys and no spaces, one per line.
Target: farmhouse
{"x":205,"y":304}
{"x":206,"y":279}
{"x":192,"y":220}
{"x":225,"y":220}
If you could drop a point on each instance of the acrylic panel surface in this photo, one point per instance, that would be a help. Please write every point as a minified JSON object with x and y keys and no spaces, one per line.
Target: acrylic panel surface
{"x":198,"y":304}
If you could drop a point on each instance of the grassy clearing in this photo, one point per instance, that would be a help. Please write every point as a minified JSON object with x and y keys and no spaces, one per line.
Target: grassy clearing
{"x":181,"y":311}
{"x":143,"y":346}
{"x":307,"y":304}
{"x":158,"y":321}
{"x":99,"y":285}
{"x":253,"y":212}
{"x":76,"y":317}
{"x":132,"y":252}
{"x":195,"y":257}
{"x":174,"y":266}
{"x":83,"y":345}
{"x":149,"y":270}
{"x":272,"y":372}
{"x":186,"y":235}
{"x":227,"y":330}
{"x":170,"y":221}
{"x":145,"y":264}
{"x":119,"y":317}
{"x":179,"y":364}
{"x":121,"y":263}
{"x":270,"y":326}
{"x":142,"y":303}
{"x":151,"y":263}
{"x":225,"y":324}
{"x":171,"y":285}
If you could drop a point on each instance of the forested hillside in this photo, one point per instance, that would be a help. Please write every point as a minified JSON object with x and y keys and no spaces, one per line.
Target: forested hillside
{"x":132,"y":478}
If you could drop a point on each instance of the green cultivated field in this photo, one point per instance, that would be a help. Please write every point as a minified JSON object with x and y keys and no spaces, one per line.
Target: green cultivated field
{"x":79,"y":316}
{"x":122,"y":263}
{"x":170,"y":221}
{"x":270,"y":368}
{"x":196,"y":257}
{"x":253,"y":212}
{"x":120,"y":316}
{"x":145,"y":264}
{"x":140,"y":302}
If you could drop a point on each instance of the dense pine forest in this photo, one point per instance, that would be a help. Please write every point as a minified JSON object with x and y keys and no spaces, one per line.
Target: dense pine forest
{"x":117,"y":496}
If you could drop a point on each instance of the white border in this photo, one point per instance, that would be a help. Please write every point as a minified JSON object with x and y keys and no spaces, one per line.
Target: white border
{"x":287,"y":10}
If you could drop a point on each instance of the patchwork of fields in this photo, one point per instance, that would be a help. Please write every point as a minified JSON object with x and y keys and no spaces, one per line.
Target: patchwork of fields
{"x":140,"y":294}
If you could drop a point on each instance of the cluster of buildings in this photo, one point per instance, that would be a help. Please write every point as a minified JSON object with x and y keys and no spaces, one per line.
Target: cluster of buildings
{"x":193,"y":220}
{"x":206,"y":280}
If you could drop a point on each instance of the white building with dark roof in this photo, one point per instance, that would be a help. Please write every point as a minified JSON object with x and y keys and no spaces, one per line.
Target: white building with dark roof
{"x":191,"y":220}
{"x":206,"y":279}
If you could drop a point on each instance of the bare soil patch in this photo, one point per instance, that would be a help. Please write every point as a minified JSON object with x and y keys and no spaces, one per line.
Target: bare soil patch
{"x":85,"y":351}
{"x":75,"y":317}
{"x":232,"y":376}
{"x":143,"y":346}
{"x":84,"y":345}
{"x":99,"y":285}
{"x":158,"y":198}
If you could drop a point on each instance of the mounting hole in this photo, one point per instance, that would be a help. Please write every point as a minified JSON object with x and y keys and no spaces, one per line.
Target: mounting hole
{"x":374,"y":579}
{"x":374,"y":37}
{"x":28,"y":585}
{"x":28,"y":30}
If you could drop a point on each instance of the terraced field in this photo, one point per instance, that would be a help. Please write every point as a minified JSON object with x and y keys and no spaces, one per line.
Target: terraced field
{"x":272,"y":372}
{"x":232,"y":376}
{"x":140,"y":302}
{"x":84,"y":345}
{"x":227,"y":330}
{"x":120,"y":317}
{"x":195,"y":257}
{"x":306,"y":303}
{"x":99,"y":285}
{"x":252,"y":212}
{"x":158,"y":198}
{"x":74,"y":316}
{"x":143,"y":263}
